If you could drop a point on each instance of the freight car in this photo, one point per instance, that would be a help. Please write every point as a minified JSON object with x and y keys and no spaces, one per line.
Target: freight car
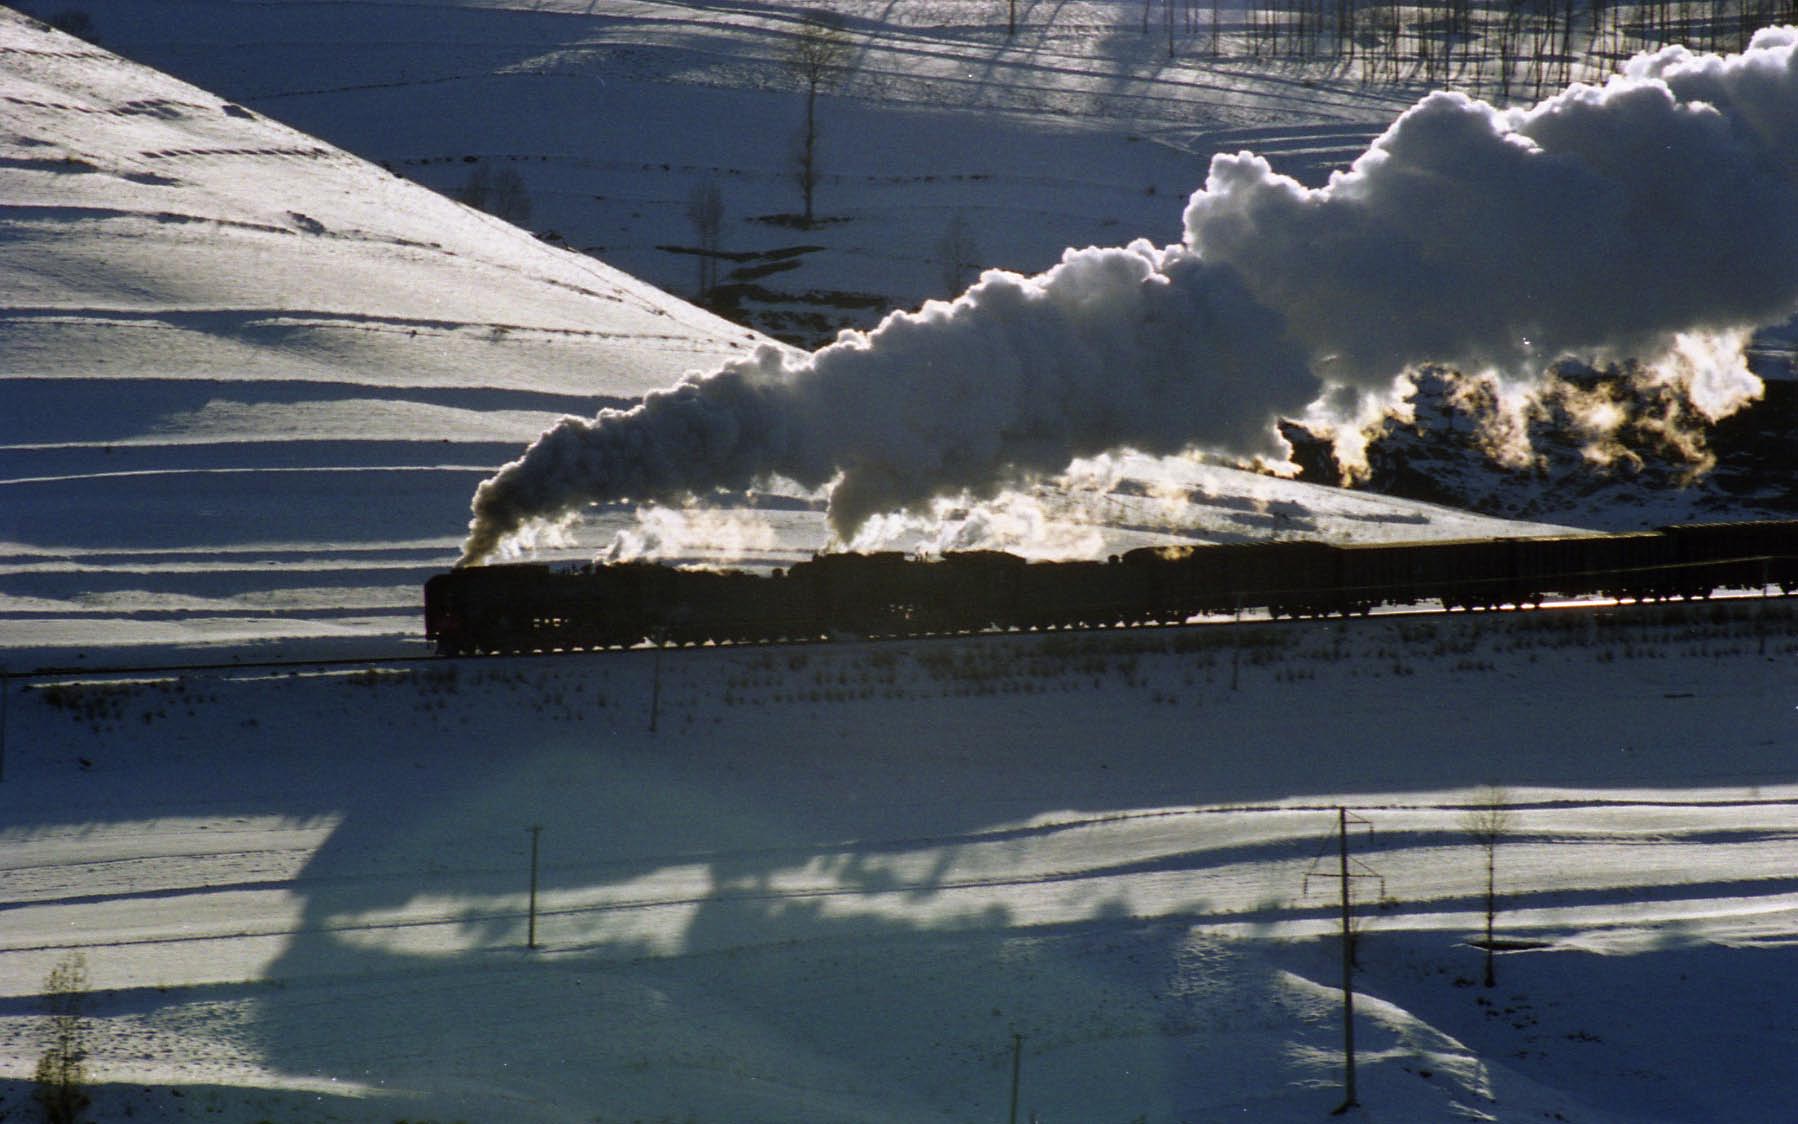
{"x":533,"y":607}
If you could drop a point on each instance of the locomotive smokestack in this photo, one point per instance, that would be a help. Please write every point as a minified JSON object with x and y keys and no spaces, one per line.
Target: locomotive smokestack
{"x":1605,"y":222}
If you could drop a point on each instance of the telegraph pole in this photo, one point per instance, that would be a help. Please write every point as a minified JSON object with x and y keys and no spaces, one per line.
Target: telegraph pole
{"x":655,"y":685}
{"x":1017,"y":1061}
{"x":1348,"y":972}
{"x":1236,"y":646}
{"x":530,"y":940}
{"x":1344,"y":877}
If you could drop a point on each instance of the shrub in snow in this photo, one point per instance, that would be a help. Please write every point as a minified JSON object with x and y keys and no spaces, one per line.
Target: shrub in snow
{"x":62,"y":1071}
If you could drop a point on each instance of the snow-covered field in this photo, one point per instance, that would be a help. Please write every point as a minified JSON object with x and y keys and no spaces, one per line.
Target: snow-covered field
{"x":248,"y":382}
{"x":831,"y":883}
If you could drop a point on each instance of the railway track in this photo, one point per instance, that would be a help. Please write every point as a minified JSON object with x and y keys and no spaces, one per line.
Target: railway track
{"x":1256,"y":618}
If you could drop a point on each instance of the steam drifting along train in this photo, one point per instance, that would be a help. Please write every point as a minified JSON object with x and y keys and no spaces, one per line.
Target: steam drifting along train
{"x":535,"y":607}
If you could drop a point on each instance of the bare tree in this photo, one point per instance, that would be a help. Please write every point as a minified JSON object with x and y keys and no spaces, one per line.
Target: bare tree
{"x":958,"y":253}
{"x":1488,"y":821}
{"x":705,"y":207}
{"x":476,"y":189}
{"x":509,"y":200}
{"x":62,"y":1070}
{"x":501,"y":194}
{"x":1510,"y":36}
{"x":74,"y":21}
{"x":816,"y":57}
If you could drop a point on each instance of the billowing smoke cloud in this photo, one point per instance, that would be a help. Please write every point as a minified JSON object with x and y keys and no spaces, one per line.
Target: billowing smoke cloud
{"x":1606,"y":222}
{"x":1599,"y":222}
{"x":1142,"y":347}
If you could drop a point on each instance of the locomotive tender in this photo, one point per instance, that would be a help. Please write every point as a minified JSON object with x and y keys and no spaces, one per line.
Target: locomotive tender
{"x":525,"y":607}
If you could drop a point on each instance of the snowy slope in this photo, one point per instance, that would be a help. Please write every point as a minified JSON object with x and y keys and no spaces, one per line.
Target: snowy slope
{"x":1084,"y":127}
{"x":1078,"y":130}
{"x":246,"y":374}
{"x":252,"y":382}
{"x":830,"y":884}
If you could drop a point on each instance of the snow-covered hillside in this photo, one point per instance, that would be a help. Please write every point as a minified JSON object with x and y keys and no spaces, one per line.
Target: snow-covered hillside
{"x":1078,"y":130}
{"x":248,"y":376}
{"x":252,"y":382}
{"x":948,"y":144}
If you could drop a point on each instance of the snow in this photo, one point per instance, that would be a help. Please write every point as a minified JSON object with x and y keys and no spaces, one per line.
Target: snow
{"x":250,"y":383}
{"x":278,"y":416}
{"x":830,"y":883}
{"x":268,"y":436}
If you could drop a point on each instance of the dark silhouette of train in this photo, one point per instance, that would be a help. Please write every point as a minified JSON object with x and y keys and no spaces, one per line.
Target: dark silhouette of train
{"x":535,"y":607}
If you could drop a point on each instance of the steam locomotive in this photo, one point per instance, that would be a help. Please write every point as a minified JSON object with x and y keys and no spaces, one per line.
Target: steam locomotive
{"x":529,"y":607}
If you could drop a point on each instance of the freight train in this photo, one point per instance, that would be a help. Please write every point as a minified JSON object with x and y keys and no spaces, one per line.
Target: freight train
{"x":531,"y":607}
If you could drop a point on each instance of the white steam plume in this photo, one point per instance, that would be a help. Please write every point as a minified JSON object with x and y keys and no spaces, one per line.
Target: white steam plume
{"x":1145,"y":347}
{"x":1599,"y":223}
{"x":1604,"y":222}
{"x":727,"y":535}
